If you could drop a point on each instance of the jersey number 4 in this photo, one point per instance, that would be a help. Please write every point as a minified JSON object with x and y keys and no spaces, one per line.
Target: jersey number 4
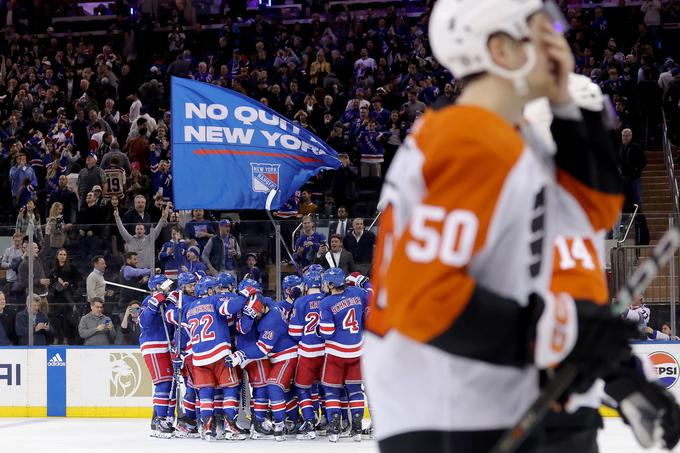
{"x":350,"y":322}
{"x":452,"y":243}
{"x":205,"y":334}
{"x":312,"y":319}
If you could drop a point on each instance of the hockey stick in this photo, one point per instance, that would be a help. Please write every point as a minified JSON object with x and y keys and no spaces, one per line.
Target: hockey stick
{"x":131,"y":288}
{"x":176,"y":375}
{"x":663,"y":252}
{"x":173,"y":385}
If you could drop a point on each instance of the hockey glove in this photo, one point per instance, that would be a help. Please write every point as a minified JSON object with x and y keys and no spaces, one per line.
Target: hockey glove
{"x":235,"y":359}
{"x":166,"y":285}
{"x":248,"y":292}
{"x":649,"y":409}
{"x":177,"y":364}
{"x":603,"y":343}
{"x":253,"y":307}
{"x":156,"y":300}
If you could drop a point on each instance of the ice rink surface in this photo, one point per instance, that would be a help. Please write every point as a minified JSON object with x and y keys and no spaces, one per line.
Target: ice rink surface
{"x":61,"y":435}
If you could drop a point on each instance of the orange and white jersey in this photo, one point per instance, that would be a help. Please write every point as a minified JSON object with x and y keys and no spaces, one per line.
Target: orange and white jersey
{"x":578,"y":268}
{"x":470,"y":210}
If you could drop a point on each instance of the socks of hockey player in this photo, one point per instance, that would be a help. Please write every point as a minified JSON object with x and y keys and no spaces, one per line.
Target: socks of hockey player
{"x":278,"y":402}
{"x":230,"y":402}
{"x":260,"y":403}
{"x":333,"y":405}
{"x":206,"y":395}
{"x":161,"y":399}
{"x":190,"y":403}
{"x":306,"y":402}
{"x":292,"y":408}
{"x":356,"y":400}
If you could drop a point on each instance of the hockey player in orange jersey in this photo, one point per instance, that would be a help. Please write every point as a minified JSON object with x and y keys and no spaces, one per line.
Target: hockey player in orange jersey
{"x":578,"y":270}
{"x":471,"y":206}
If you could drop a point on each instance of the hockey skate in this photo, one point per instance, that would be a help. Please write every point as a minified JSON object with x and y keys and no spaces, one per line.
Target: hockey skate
{"x":220,"y":431}
{"x":306,"y":431}
{"x":321,"y":425}
{"x":279,"y":431}
{"x":187,"y":429}
{"x":164,"y":428}
{"x":357,"y":427}
{"x":346,"y":430}
{"x":233,"y":432}
{"x":334,"y":428}
{"x":154,"y":427}
{"x":209,"y":430}
{"x":261,"y":429}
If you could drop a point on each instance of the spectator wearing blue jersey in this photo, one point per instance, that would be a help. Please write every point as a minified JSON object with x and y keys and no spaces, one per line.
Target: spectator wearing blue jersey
{"x":173,"y":253}
{"x":222,"y":251}
{"x":20,"y":172}
{"x":371,"y":143}
{"x":199,"y":228}
{"x":252,"y":271}
{"x":307,"y":245}
{"x":194,"y":263}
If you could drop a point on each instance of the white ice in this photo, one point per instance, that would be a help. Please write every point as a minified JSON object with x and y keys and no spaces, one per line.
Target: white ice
{"x":70,"y":435}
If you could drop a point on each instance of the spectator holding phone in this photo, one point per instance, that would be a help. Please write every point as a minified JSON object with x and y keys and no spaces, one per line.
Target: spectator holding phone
{"x":42,"y":332}
{"x":128,"y":332}
{"x":95,"y":328}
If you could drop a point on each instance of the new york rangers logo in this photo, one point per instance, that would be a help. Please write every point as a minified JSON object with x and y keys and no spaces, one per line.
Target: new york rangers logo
{"x":265,"y":177}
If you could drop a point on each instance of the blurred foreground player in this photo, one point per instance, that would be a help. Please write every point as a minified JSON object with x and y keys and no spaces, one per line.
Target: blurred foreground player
{"x":649,"y":409}
{"x":471,"y":206}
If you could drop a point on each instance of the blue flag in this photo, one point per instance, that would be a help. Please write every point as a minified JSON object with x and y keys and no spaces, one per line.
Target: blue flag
{"x":230,"y":151}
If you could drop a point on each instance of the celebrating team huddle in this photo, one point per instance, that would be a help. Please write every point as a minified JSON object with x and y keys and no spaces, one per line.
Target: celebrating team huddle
{"x":301,"y":355}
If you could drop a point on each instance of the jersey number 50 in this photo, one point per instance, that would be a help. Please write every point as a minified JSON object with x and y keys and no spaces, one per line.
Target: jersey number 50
{"x":452,"y":243}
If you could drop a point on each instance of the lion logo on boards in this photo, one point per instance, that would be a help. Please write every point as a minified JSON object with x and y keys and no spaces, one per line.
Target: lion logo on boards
{"x":129,"y":378}
{"x":666,"y":367}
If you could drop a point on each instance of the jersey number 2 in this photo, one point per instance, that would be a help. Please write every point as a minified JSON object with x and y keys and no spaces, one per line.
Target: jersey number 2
{"x":312,"y":319}
{"x":350,"y":322}
{"x":205,"y":334}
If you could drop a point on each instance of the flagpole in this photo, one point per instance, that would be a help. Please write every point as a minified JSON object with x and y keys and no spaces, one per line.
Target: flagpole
{"x":279,"y":242}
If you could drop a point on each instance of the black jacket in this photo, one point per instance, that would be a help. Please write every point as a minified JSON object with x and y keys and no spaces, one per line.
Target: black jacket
{"x":41,"y":337}
{"x":362,"y":251}
{"x":633,"y":160}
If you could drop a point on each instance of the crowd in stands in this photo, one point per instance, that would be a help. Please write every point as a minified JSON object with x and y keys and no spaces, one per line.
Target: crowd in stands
{"x":85,"y":136}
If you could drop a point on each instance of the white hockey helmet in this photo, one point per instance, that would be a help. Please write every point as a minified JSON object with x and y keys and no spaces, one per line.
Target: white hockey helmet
{"x":460,"y":31}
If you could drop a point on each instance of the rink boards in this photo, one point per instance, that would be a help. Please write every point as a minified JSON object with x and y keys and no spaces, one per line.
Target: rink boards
{"x":83,"y":381}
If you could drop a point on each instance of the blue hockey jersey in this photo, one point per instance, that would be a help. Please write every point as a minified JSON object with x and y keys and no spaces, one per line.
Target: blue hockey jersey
{"x":153,"y":338}
{"x":342,"y":322}
{"x":273,"y":340}
{"x":303,"y":323}
{"x":208,"y":328}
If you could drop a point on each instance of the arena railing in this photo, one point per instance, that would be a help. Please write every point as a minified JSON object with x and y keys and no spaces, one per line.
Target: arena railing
{"x":83,"y":242}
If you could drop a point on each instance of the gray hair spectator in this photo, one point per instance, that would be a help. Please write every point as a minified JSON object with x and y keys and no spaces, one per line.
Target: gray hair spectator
{"x":360,"y":243}
{"x":95,"y":328}
{"x":142,"y":243}
{"x":42,"y":331}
